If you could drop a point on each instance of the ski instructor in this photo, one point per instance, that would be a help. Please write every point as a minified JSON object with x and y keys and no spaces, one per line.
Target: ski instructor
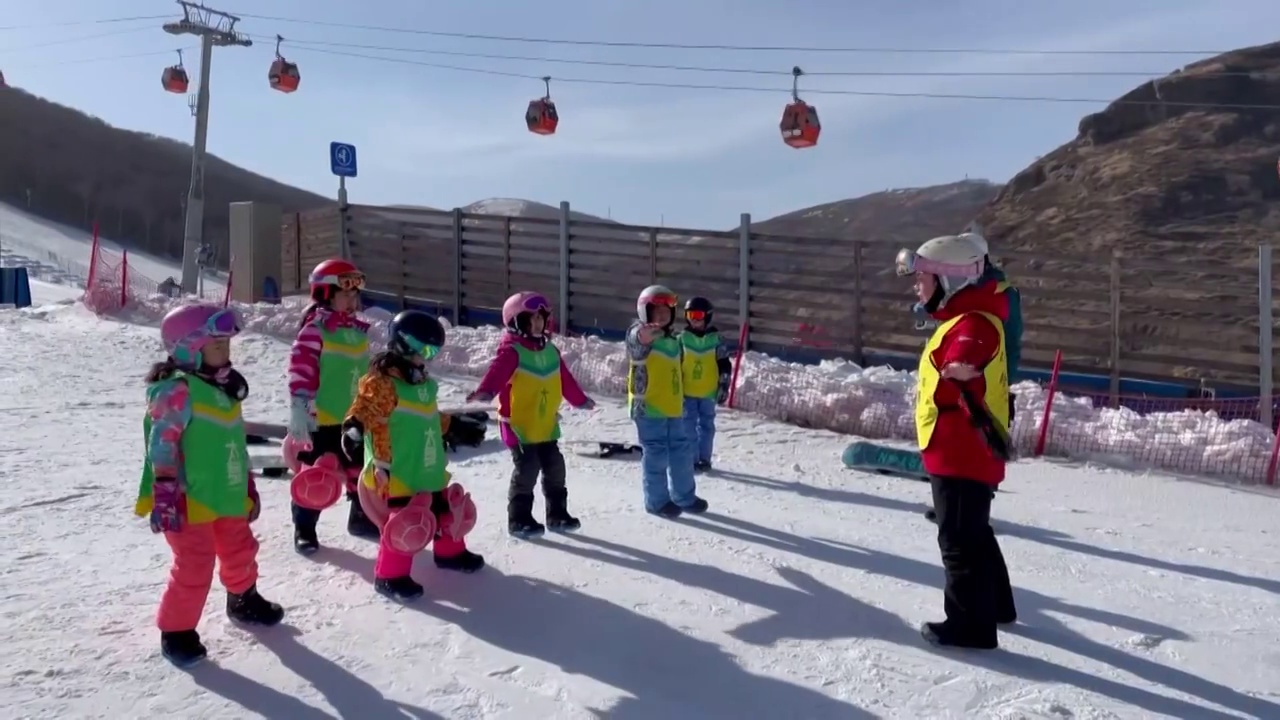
{"x":962,"y":427}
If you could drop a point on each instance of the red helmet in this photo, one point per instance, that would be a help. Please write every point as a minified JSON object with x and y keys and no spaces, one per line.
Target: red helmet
{"x":334,"y":274}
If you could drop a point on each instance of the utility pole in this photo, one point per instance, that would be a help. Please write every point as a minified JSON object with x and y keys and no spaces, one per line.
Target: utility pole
{"x":214,"y":28}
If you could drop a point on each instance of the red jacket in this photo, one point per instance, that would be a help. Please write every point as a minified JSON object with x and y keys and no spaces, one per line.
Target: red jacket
{"x":957,"y":448}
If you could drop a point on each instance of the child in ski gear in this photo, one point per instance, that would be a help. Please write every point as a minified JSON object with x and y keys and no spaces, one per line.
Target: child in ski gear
{"x":329,"y":354}
{"x":701,"y":346}
{"x":395,"y":425}
{"x":530,"y":379}
{"x":197,"y":486}
{"x":655,"y":400}
{"x":963,"y":366}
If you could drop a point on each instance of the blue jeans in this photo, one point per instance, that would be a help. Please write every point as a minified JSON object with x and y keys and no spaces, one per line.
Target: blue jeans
{"x":667,"y":451}
{"x":700,"y":425}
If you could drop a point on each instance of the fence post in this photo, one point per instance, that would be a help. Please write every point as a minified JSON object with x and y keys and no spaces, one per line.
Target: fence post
{"x":506,"y":256}
{"x":653,"y":256}
{"x":857,"y":302}
{"x":1114,"y":390}
{"x":1264,"y":336}
{"x":744,"y":279}
{"x":457,"y":266}
{"x":564,"y":267}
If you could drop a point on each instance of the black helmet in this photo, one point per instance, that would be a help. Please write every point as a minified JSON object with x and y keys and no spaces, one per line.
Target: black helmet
{"x":699,"y":304}
{"x":412,"y":331}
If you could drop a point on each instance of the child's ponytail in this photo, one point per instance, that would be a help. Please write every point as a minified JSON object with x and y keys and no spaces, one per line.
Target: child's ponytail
{"x":162,"y":370}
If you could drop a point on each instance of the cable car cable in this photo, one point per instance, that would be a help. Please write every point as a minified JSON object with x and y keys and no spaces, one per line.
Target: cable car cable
{"x":72,"y":23}
{"x":723,"y":47}
{"x":753,"y":71}
{"x":808,"y":91}
{"x":79,"y":38}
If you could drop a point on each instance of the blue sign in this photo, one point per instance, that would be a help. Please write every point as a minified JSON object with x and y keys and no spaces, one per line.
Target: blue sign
{"x":342,"y":159}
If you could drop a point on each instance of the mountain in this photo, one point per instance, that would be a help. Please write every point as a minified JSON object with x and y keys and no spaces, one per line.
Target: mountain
{"x":73,"y":168}
{"x":511,"y":207}
{"x":904,"y":217}
{"x":1158,"y":172}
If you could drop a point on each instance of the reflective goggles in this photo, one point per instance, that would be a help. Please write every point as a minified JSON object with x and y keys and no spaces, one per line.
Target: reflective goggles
{"x":668,"y":300}
{"x":420,"y":348}
{"x":536,"y":304}
{"x":909,"y":263}
{"x":222,"y":324}
{"x":346,"y":281}
{"x":695,"y":314}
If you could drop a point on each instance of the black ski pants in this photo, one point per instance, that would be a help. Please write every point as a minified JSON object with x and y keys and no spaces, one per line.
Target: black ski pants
{"x":977,"y":594}
{"x":532,"y":460}
{"x":324,"y":439}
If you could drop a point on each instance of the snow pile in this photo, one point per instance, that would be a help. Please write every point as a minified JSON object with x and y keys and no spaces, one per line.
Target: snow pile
{"x":876,"y":402}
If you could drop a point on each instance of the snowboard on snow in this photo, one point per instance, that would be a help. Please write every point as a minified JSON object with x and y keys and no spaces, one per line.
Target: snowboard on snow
{"x":885,"y":460}
{"x":602,"y":449}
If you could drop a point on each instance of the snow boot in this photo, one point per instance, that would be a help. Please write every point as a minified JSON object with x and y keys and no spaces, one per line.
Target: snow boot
{"x":946,"y":635}
{"x":359,"y":524}
{"x":558,"y":517}
{"x":305,"y":541}
{"x":702,"y":466}
{"x":697,"y":507}
{"x":670,"y":511}
{"x":464,"y":562}
{"x":252,"y":609}
{"x":520,"y":522}
{"x":182,"y":648}
{"x":932,"y":516}
{"x":400,"y":589}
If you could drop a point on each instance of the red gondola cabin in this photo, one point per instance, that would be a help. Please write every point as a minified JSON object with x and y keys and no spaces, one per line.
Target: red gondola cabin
{"x":174,"y":79}
{"x":800,"y":126}
{"x":284,"y":76}
{"x":541,"y":117}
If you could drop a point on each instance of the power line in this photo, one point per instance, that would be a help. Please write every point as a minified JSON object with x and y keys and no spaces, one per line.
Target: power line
{"x":312,"y":44}
{"x":73,"y":23}
{"x":78,"y":38}
{"x":727,"y":48}
{"x":809,"y":91}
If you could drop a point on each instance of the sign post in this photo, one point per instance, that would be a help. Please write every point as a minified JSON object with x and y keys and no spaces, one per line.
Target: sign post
{"x":342,"y":162}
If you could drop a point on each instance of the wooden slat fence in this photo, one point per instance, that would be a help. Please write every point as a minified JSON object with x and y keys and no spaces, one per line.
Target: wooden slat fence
{"x":1113,"y":314}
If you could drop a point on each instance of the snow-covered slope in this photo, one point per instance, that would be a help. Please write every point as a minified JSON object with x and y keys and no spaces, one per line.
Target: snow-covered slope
{"x":796,"y":597}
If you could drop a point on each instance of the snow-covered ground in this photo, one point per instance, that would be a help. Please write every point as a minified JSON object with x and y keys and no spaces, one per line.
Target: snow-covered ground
{"x":797,"y":596}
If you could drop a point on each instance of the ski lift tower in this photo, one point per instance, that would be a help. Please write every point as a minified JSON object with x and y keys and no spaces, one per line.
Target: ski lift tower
{"x":215,"y":29}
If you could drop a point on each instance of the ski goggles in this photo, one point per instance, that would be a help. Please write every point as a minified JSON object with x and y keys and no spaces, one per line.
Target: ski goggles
{"x":536,"y":304}
{"x":909,"y":263}
{"x":662,"y":299}
{"x":346,"y":281}
{"x":420,"y":348}
{"x":695,"y":314}
{"x":222,"y":324}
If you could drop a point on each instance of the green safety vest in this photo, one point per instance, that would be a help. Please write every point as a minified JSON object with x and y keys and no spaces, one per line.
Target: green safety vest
{"x":701,"y":373}
{"x":417,"y":446}
{"x":344,"y":358}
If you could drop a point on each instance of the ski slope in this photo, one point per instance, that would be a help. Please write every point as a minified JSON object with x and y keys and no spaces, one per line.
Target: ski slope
{"x":797,"y":596}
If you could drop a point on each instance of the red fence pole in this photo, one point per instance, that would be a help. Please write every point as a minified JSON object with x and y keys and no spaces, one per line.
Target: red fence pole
{"x":226,"y":297}
{"x":737,"y":363}
{"x":1275,"y":456}
{"x":1048,"y":403}
{"x":124,"y":278}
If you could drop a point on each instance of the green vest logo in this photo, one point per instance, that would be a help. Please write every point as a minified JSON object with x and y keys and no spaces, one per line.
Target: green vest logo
{"x":697,"y":369}
{"x":424,"y":394}
{"x":222,"y":401}
{"x":237,"y":473}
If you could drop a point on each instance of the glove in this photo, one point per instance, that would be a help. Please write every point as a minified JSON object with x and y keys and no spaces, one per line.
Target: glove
{"x":256,"y":508}
{"x":300,"y":422}
{"x":588,"y":406}
{"x":480,"y":397}
{"x":169,"y":507}
{"x":722,"y":392}
{"x":353,"y":440}
{"x":382,"y":477}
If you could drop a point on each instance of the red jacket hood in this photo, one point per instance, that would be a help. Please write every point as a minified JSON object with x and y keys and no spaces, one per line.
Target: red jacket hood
{"x":975,"y":298}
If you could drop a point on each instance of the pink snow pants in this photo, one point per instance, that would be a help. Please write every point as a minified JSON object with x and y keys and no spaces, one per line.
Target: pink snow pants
{"x":230,"y":543}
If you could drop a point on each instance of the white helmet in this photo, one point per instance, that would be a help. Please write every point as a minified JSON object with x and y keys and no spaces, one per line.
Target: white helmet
{"x":974,"y":233}
{"x":957,"y":261}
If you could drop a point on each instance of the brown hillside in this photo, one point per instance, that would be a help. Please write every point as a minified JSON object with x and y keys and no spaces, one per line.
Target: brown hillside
{"x":1183,"y":183}
{"x":904,"y":217}
{"x":73,"y":168}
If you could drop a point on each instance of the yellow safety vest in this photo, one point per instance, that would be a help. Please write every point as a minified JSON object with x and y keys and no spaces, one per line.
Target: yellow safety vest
{"x":996,"y":375}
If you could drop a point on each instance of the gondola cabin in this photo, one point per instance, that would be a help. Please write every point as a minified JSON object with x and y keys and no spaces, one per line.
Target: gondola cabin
{"x":284,"y":76}
{"x":542,"y":117}
{"x":174,"y":79}
{"x":800,"y":126}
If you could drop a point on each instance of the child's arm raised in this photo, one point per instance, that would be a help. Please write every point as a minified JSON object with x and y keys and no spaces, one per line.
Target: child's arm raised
{"x":169,"y":405}
{"x":498,"y":375}
{"x":374,"y":403}
{"x":640,"y":340}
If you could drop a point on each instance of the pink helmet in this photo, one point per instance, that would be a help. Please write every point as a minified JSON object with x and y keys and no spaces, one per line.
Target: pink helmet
{"x":187,"y":329}
{"x":520,"y":303}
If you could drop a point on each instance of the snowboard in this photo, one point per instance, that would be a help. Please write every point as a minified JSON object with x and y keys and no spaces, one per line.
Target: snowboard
{"x":601,"y":449}
{"x":885,"y":460}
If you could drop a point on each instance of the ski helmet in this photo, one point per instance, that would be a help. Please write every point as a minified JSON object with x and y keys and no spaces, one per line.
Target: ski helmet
{"x":698,"y":308}
{"x":518,"y":308}
{"x":332,"y":274}
{"x":413,"y":332}
{"x":187,"y":329}
{"x":655,"y":295}
{"x":956,"y":260}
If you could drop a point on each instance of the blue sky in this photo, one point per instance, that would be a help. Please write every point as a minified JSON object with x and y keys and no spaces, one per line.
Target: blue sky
{"x":692,"y":158}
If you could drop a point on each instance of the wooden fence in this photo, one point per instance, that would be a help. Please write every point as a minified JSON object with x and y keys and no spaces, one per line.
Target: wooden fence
{"x":1112,"y":314}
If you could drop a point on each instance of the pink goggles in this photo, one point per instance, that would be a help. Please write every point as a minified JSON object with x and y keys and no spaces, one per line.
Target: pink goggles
{"x":534,"y":304}
{"x":909,"y":263}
